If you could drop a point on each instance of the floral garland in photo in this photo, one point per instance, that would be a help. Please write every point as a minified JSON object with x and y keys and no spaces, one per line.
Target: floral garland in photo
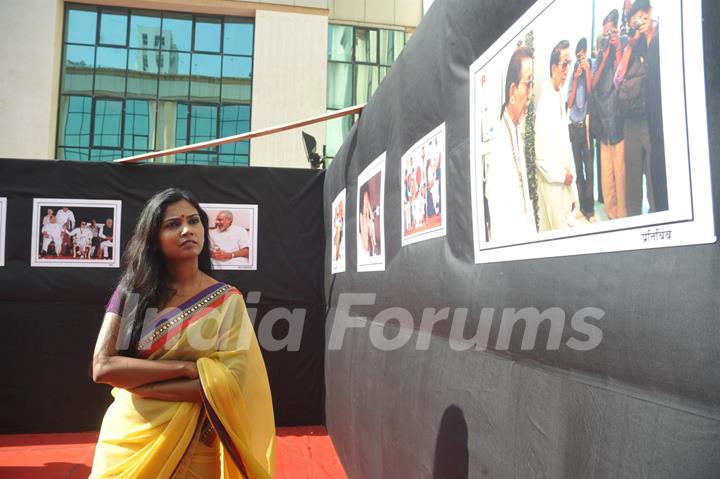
{"x":529,"y":139}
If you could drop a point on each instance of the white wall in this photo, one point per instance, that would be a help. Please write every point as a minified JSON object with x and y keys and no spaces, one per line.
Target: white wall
{"x":299,"y":3}
{"x":289,"y":83}
{"x":426,"y":5}
{"x":407,"y":13}
{"x":30,"y":39}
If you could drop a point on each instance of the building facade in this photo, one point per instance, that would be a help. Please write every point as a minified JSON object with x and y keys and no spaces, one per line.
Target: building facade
{"x":106,"y":79}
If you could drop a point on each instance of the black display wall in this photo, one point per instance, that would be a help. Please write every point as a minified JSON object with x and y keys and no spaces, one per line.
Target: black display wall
{"x":644,"y":403}
{"x":51,"y":316}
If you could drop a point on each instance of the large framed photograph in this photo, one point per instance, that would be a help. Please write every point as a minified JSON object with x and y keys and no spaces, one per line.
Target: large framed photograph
{"x":233,"y":235}
{"x":76,"y":233}
{"x":370,"y":213}
{"x":423,"y":189}
{"x":3,"y":228}
{"x":337,"y":223}
{"x":588,"y":134}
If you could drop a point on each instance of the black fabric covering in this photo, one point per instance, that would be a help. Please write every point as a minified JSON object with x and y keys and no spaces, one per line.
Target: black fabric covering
{"x":645,"y":403}
{"x":51,"y":316}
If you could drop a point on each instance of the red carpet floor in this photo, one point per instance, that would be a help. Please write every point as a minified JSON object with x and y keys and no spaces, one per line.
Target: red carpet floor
{"x":302,"y":453}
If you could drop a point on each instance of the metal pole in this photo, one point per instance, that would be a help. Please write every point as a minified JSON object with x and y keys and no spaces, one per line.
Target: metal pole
{"x":244,"y":136}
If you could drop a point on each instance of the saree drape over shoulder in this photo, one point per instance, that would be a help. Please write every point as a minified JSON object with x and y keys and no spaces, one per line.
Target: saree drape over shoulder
{"x":230,"y":435}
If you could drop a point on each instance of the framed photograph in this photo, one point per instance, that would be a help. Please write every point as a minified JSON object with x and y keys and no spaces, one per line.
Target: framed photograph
{"x":337,"y":223}
{"x":370,"y":213}
{"x":75,"y":233}
{"x":233,"y":235}
{"x":570,"y":111}
{"x":3,"y":229}
{"x":422,"y":174}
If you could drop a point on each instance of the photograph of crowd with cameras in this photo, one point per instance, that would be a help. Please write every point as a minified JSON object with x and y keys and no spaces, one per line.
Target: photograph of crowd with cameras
{"x":569,"y":123}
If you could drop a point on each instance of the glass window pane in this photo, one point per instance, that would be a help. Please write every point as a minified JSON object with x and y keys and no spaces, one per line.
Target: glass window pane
{"x":110,"y":72}
{"x":205,"y":79}
{"x":207,"y":35}
{"x":139,"y":124}
{"x":366,"y":82}
{"x":176,"y":32}
{"x":76,"y":154}
{"x":237,"y":67}
{"x":174,"y":75}
{"x":391,"y":43}
{"x":235,"y":119}
{"x":129,"y":153}
{"x":77,"y":74}
{"x":171,"y":129}
{"x":203,"y":123}
{"x":144,"y":28}
{"x":113,"y":28}
{"x":383,"y":72}
{"x":81,"y":25}
{"x":339,"y":85}
{"x":366,"y":45}
{"x":106,"y":124}
{"x":233,"y":160}
{"x":131,"y":84}
{"x":181,"y":125}
{"x":74,"y":119}
{"x":105,"y":155}
{"x":237,"y":82}
{"x":142,"y":78}
{"x":340,"y":42}
{"x":399,"y":43}
{"x":238,"y":38}
{"x":201,"y":158}
{"x":337,"y":131}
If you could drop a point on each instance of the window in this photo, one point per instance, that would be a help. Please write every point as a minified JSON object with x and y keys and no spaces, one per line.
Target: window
{"x":135,"y":81}
{"x":358,"y":60}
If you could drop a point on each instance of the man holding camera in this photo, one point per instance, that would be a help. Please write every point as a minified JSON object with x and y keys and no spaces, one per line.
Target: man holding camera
{"x":579,"y":135}
{"x":608,"y":121}
{"x":638,"y":83}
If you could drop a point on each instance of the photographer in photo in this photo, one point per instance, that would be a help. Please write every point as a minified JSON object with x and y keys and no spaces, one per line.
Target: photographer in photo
{"x":579,"y":135}
{"x":607,"y":120}
{"x":638,"y":83}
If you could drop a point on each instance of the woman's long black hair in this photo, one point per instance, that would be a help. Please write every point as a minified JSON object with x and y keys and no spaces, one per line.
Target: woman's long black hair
{"x":144,"y":272}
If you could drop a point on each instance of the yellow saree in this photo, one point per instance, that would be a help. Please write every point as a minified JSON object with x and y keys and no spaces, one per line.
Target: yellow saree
{"x":231,"y":435}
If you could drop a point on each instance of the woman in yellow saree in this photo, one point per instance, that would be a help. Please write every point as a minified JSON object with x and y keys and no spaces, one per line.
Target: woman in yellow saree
{"x":191,"y":394}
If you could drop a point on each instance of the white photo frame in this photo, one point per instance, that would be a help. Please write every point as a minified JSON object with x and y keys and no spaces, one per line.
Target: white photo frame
{"x":242,"y":230}
{"x":338,"y":233}
{"x":370,"y":213}
{"x":423,"y":193}
{"x":89,"y":246}
{"x":689,"y":217}
{"x":3,"y":228}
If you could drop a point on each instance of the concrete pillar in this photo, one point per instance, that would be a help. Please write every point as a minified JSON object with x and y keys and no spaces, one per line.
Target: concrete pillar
{"x":30,"y":43}
{"x":289,"y":83}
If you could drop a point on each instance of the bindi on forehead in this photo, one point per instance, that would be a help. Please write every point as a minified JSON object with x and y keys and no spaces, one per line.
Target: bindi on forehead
{"x":180,"y":216}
